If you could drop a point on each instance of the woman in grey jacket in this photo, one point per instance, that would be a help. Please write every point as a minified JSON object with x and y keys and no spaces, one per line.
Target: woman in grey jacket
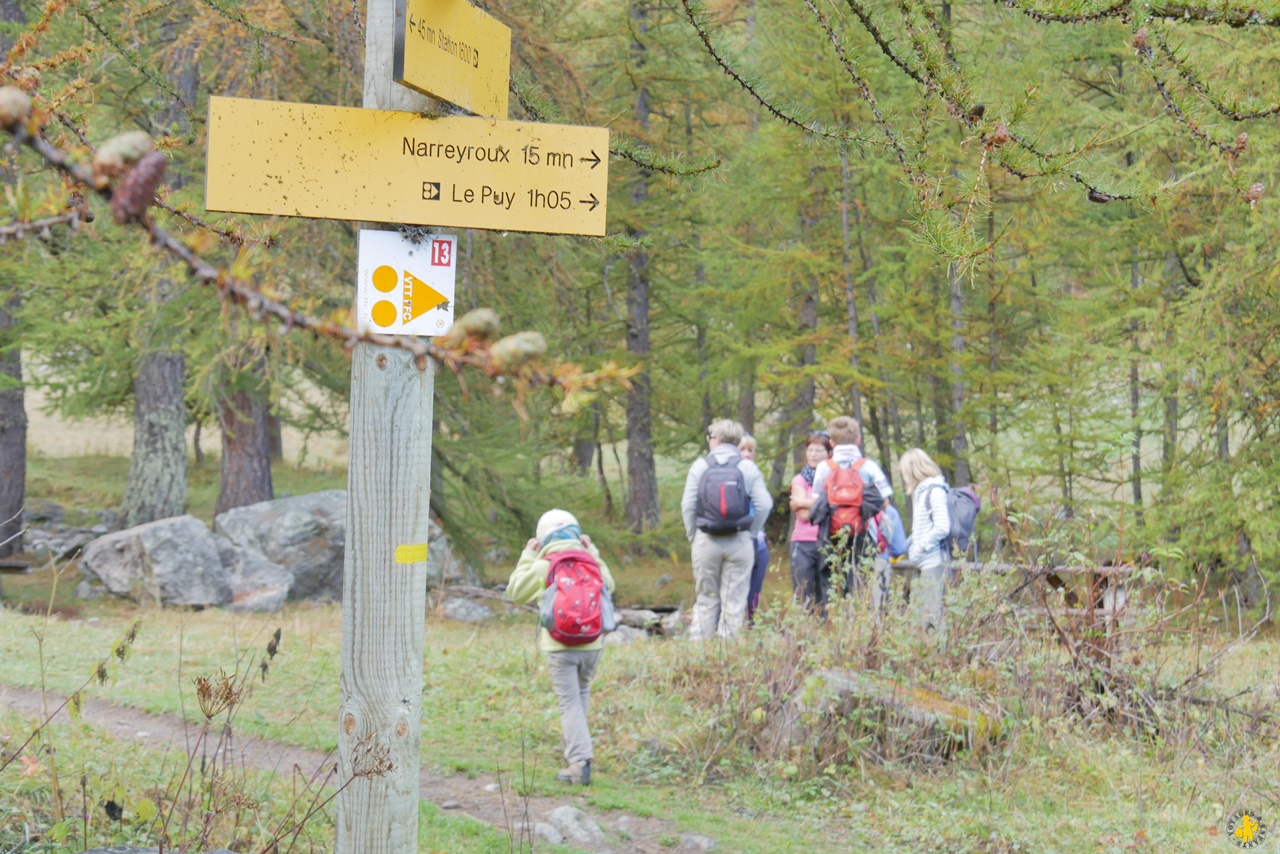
{"x":930,"y":545}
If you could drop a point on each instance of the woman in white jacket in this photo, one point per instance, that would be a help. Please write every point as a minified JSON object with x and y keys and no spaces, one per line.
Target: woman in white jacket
{"x":930,"y":544}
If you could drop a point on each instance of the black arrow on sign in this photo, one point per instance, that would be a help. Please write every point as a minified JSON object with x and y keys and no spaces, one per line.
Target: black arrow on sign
{"x":595,"y":203}
{"x":594,"y":159}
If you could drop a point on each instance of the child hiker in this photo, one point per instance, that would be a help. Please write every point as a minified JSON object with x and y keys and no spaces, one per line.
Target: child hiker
{"x":561,"y":567}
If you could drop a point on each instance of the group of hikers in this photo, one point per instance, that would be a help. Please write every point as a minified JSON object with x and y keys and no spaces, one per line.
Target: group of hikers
{"x":844,"y":521}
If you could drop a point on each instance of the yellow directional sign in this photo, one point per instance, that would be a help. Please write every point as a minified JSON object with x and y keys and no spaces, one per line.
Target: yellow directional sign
{"x":451,"y":50}
{"x":283,"y":159}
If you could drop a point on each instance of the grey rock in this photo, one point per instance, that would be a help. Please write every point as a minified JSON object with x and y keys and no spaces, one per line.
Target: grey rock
{"x":625,"y":634}
{"x":697,"y":842}
{"x":442,"y":563}
{"x":545,"y":832}
{"x":663,"y":581}
{"x":673,"y":623}
{"x":450,"y":805}
{"x":575,"y":825}
{"x":99,"y":530}
{"x":466,"y":611}
{"x":257,"y":584}
{"x":636,"y":618}
{"x":171,"y":561}
{"x":73,"y":545}
{"x":304,"y":535}
{"x":111,"y":518}
{"x":43,"y":511}
{"x":85,"y":590}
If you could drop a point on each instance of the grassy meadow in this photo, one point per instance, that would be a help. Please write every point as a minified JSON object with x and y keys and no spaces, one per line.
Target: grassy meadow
{"x":684,"y":732}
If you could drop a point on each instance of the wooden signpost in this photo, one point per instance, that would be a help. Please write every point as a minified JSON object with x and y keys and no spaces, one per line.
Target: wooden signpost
{"x":270,"y":157}
{"x":451,"y":50}
{"x":387,"y":163}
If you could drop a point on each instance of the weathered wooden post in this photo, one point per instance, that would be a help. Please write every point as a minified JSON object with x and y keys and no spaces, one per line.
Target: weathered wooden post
{"x":384,"y":602}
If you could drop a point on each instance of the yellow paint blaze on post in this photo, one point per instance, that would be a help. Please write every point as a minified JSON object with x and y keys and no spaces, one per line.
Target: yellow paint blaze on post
{"x":451,"y":50}
{"x":284,"y":159}
{"x":411,"y":554}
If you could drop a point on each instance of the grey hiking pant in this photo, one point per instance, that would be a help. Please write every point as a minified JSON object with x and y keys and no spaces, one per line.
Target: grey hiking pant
{"x":928,"y":589}
{"x":721,"y":580}
{"x":571,"y":673}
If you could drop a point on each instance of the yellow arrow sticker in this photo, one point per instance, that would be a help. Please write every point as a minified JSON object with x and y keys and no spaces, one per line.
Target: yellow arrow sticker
{"x":419,"y":297}
{"x":411,"y":554}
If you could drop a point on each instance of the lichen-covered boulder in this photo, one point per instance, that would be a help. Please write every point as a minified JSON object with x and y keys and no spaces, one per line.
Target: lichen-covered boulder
{"x":170,"y":561}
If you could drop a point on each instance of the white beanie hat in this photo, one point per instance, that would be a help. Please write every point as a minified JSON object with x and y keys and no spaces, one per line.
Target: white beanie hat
{"x":554,"y":520}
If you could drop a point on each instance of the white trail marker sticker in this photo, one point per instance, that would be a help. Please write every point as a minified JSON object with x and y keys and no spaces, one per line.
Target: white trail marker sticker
{"x":405,"y":288}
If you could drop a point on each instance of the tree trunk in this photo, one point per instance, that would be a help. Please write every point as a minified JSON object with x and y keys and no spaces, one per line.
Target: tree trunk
{"x":1135,"y":400}
{"x":157,"y":487}
{"x":851,"y":306}
{"x":275,"y":438}
{"x":801,"y":409}
{"x":747,"y":397}
{"x":13,"y":433}
{"x":700,"y":334}
{"x":599,"y":449}
{"x":584,"y":451}
{"x":246,"y":458}
{"x":959,"y":439}
{"x":13,"y":409}
{"x":643,"y":511}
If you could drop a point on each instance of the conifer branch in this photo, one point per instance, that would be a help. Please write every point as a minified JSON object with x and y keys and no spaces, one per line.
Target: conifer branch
{"x":463,"y":350}
{"x":970,"y":116}
{"x":256,"y":29}
{"x":1188,"y":74}
{"x":135,"y":60}
{"x":625,"y":147}
{"x":1223,"y":15}
{"x":20,"y":229}
{"x":1116,"y":10}
{"x":864,"y":88}
{"x":864,"y":16}
{"x":698,"y":19}
{"x":1141,"y":44}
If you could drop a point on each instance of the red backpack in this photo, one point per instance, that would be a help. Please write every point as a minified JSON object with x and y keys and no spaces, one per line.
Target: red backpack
{"x":844,"y":494}
{"x":576,"y":606}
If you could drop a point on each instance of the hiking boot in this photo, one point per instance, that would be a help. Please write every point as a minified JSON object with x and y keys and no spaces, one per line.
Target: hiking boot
{"x":578,"y":773}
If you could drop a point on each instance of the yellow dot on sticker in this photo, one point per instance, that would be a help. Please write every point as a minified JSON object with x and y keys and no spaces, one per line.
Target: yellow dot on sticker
{"x":386,"y":278}
{"x":383,"y":313}
{"x":411,"y":554}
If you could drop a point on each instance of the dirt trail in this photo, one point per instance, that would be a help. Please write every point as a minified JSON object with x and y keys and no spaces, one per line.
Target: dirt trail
{"x":478,"y":798}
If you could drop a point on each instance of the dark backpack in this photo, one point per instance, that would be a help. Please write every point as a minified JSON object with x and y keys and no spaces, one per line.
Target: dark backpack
{"x":963,"y":506}
{"x":576,"y":606}
{"x":723,"y":504}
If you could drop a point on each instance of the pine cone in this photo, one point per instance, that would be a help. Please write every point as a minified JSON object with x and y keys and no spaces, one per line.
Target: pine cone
{"x":479,"y":325}
{"x":1140,"y":39}
{"x":514,"y":350}
{"x":1099,"y":197}
{"x":1254,"y":193}
{"x":1000,"y":136}
{"x":118,"y":154}
{"x":137,"y":191}
{"x":15,"y":106}
{"x":1242,"y":143}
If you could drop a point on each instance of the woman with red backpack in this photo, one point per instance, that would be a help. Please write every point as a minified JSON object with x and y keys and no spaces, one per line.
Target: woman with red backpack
{"x":563,"y":568}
